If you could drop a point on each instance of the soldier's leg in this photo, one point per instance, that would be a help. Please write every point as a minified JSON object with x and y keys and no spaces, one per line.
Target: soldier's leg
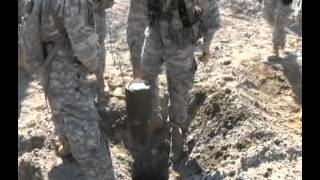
{"x":181,"y":68}
{"x":137,"y":22}
{"x":74,"y":102}
{"x":282,"y":13}
{"x":151,"y":55}
{"x":88,"y":147}
{"x":150,"y":160}
{"x":268,"y":11}
{"x":62,"y":146}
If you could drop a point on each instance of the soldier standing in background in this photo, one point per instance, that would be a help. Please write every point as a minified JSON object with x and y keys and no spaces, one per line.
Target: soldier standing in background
{"x":276,"y":13}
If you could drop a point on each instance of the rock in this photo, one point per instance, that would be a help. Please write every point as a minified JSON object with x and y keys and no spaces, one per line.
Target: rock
{"x":227,"y":62}
{"x":247,"y":162}
{"x":266,"y":174}
{"x":232,"y":173}
{"x":229,"y":125}
{"x":118,"y":92}
{"x":218,"y":154}
{"x":278,"y":67}
{"x":228,"y":78}
{"x":275,"y":154}
{"x":277,"y":142}
{"x":257,"y":104}
{"x":240,"y":146}
{"x":227,"y":90}
{"x":239,"y":178}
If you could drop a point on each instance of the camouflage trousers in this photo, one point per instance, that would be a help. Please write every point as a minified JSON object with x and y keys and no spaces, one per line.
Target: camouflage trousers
{"x":137,"y":22}
{"x":277,"y":15}
{"x":71,"y":100}
{"x":180,"y":71}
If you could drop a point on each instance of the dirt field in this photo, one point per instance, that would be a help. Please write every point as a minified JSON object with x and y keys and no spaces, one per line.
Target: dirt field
{"x":249,"y":126}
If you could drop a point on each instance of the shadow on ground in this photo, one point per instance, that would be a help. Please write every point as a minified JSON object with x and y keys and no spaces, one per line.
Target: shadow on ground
{"x":68,"y":170}
{"x":27,"y":171}
{"x":23,"y":83}
{"x":292,"y":68}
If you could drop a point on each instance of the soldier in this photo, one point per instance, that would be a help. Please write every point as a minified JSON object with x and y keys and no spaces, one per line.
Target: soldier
{"x":71,"y":52}
{"x":173,"y":30}
{"x":297,"y":13}
{"x":137,"y":22}
{"x":277,"y":12}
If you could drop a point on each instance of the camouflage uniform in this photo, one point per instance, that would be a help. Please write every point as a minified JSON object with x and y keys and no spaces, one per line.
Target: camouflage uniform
{"x":297,"y":14}
{"x":277,"y":13}
{"x":137,"y":22}
{"x":70,"y":95}
{"x":20,"y":10}
{"x":168,"y":42}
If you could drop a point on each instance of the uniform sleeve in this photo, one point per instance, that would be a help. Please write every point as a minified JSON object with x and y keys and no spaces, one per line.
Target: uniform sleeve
{"x":210,"y":21}
{"x":80,"y":26}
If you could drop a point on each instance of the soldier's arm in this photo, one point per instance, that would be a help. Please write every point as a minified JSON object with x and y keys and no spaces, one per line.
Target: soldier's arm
{"x":80,"y":26}
{"x":210,"y":22}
